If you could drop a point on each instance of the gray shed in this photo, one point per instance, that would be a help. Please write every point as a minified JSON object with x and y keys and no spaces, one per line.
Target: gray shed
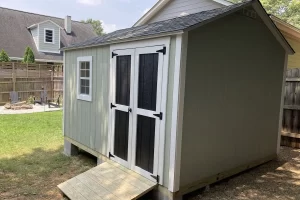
{"x":182,"y":102}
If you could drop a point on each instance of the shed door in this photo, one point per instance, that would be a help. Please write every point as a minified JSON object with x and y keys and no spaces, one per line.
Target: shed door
{"x":146,"y":110}
{"x":121,"y":106}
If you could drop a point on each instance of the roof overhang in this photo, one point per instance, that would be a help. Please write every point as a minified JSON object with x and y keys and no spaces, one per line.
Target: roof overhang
{"x":286,"y":28}
{"x":161,"y":4}
{"x":35,"y":25}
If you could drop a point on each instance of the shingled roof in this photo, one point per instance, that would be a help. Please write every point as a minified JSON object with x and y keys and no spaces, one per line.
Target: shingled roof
{"x":167,"y":26}
{"x":15,"y":37}
{"x":185,"y":23}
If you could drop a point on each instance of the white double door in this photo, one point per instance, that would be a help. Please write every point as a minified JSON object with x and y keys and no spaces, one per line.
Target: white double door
{"x":136,"y":108}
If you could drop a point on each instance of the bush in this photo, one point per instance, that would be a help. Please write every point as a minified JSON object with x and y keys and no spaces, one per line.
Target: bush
{"x":28,"y":56}
{"x":4,"y":57}
{"x":30,"y":100}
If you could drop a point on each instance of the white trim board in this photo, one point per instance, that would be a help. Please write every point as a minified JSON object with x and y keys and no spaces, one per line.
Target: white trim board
{"x":177,"y":111}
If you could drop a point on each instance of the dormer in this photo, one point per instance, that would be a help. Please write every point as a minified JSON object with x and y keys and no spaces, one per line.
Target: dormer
{"x":46,"y":36}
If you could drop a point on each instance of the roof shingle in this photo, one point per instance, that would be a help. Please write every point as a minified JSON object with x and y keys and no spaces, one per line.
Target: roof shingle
{"x":167,"y":26}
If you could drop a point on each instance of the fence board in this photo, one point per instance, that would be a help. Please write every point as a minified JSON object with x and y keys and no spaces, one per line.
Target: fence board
{"x":28,"y":80}
{"x":291,"y":113}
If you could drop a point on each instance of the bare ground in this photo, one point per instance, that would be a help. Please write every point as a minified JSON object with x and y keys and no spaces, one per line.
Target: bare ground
{"x":278,"y":179}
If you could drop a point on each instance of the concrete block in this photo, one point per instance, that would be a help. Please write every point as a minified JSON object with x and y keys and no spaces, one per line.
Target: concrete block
{"x":70,"y":149}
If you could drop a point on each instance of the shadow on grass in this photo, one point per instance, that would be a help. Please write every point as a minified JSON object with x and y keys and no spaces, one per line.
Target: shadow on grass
{"x":277,"y":179}
{"x":36,"y":175}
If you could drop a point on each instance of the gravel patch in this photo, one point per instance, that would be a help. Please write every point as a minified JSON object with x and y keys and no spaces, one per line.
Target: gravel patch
{"x":36,"y":108}
{"x":278,"y":179}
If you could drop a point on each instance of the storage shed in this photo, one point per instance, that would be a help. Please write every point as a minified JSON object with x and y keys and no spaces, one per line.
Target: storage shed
{"x":182,"y":102}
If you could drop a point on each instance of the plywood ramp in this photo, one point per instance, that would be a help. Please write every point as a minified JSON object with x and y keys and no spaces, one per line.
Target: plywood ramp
{"x":107,"y":181}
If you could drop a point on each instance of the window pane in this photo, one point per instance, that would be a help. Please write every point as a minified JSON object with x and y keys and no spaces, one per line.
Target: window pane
{"x":82,"y":65}
{"x":87,"y":83}
{"x":87,"y":73}
{"x":82,"y":90}
{"x":49,"y":36}
{"x":87,"y":90}
{"x":87,"y":65}
{"x":82,"y":73}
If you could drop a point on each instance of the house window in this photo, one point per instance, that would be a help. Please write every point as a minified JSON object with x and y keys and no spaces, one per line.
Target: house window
{"x":84,"y":80}
{"x":49,"y":36}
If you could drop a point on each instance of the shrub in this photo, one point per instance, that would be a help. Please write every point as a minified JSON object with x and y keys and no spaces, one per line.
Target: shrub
{"x":4,"y":57}
{"x":28,"y":56}
{"x":30,"y":100}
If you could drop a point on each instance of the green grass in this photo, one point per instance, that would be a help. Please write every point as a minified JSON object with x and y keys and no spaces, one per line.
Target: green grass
{"x":31,"y":159}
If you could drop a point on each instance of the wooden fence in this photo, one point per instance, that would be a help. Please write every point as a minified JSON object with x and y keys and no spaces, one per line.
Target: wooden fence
{"x":291,"y":113}
{"x":29,"y":79}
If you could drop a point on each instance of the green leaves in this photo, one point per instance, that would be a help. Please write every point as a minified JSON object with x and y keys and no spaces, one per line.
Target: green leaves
{"x":97,"y":26}
{"x":28,"y":56}
{"x":4,"y":57}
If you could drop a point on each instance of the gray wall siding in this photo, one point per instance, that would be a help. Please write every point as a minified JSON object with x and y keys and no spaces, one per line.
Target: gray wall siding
{"x":232,"y":98}
{"x":178,"y":8}
{"x":46,"y":46}
{"x":34,"y":33}
{"x":87,"y":122}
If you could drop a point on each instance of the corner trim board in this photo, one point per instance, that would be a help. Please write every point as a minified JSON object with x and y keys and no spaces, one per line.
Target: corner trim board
{"x":177,"y":111}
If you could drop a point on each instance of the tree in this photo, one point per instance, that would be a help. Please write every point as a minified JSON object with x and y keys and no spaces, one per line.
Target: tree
{"x":287,"y":10}
{"x":96,"y":24}
{"x":4,"y":57}
{"x":28,"y":56}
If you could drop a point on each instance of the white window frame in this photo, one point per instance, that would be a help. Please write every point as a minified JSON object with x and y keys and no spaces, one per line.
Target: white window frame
{"x":84,"y":97}
{"x":53,"y":37}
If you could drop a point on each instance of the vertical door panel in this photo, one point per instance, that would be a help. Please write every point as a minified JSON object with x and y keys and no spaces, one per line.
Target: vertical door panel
{"x":123,"y":71}
{"x":147,"y":88}
{"x":121,"y":134}
{"x":145,"y":143}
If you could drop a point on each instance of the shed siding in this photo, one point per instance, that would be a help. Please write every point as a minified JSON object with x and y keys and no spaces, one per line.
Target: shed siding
{"x":46,"y":46}
{"x":34,"y":33}
{"x":232,"y":98}
{"x":87,"y":122}
{"x":178,"y":8}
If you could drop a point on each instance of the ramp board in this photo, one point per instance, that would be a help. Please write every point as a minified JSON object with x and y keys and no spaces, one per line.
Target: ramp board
{"x":107,"y":181}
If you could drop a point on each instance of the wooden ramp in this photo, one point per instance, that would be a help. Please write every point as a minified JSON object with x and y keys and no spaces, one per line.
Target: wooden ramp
{"x":107,"y":181}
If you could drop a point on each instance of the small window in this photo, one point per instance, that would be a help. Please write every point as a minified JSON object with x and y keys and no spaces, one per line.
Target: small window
{"x":49,"y":34}
{"x":84,"y":84}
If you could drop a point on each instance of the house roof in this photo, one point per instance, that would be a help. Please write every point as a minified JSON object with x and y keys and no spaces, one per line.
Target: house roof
{"x":15,"y":35}
{"x":286,"y":28}
{"x":161,"y":4}
{"x":180,"y":24}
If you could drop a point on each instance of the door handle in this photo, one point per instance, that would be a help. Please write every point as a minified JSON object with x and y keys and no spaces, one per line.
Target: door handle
{"x":129,"y":110}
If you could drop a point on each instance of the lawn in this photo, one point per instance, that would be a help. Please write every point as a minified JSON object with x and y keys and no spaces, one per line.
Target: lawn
{"x":31,"y":159}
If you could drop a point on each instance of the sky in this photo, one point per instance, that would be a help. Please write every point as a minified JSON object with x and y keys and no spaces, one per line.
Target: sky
{"x":114,"y":14}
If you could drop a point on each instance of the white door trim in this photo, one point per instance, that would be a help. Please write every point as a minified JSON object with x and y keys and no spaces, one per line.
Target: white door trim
{"x":177,"y":111}
{"x":165,"y":41}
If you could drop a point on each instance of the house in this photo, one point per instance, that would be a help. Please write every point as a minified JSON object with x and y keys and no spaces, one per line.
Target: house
{"x":176,"y":102}
{"x":292,"y":35}
{"x":45,"y":35}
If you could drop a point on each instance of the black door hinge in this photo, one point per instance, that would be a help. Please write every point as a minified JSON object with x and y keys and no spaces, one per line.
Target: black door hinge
{"x":129,"y":110}
{"x":163,"y":50}
{"x":110,"y":155}
{"x":156,"y":178}
{"x":112,"y":106}
{"x":113,"y":54}
{"x":160,"y":115}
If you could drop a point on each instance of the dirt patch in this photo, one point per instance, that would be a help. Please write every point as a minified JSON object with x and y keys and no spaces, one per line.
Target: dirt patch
{"x":278,"y":179}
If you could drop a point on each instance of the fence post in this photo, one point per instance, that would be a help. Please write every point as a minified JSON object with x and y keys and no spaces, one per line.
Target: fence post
{"x":14,"y":76}
{"x":39,"y":70}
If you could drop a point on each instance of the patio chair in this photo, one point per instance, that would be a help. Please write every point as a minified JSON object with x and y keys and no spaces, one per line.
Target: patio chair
{"x":14,"y":97}
{"x":44,"y":98}
{"x":56,"y":104}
